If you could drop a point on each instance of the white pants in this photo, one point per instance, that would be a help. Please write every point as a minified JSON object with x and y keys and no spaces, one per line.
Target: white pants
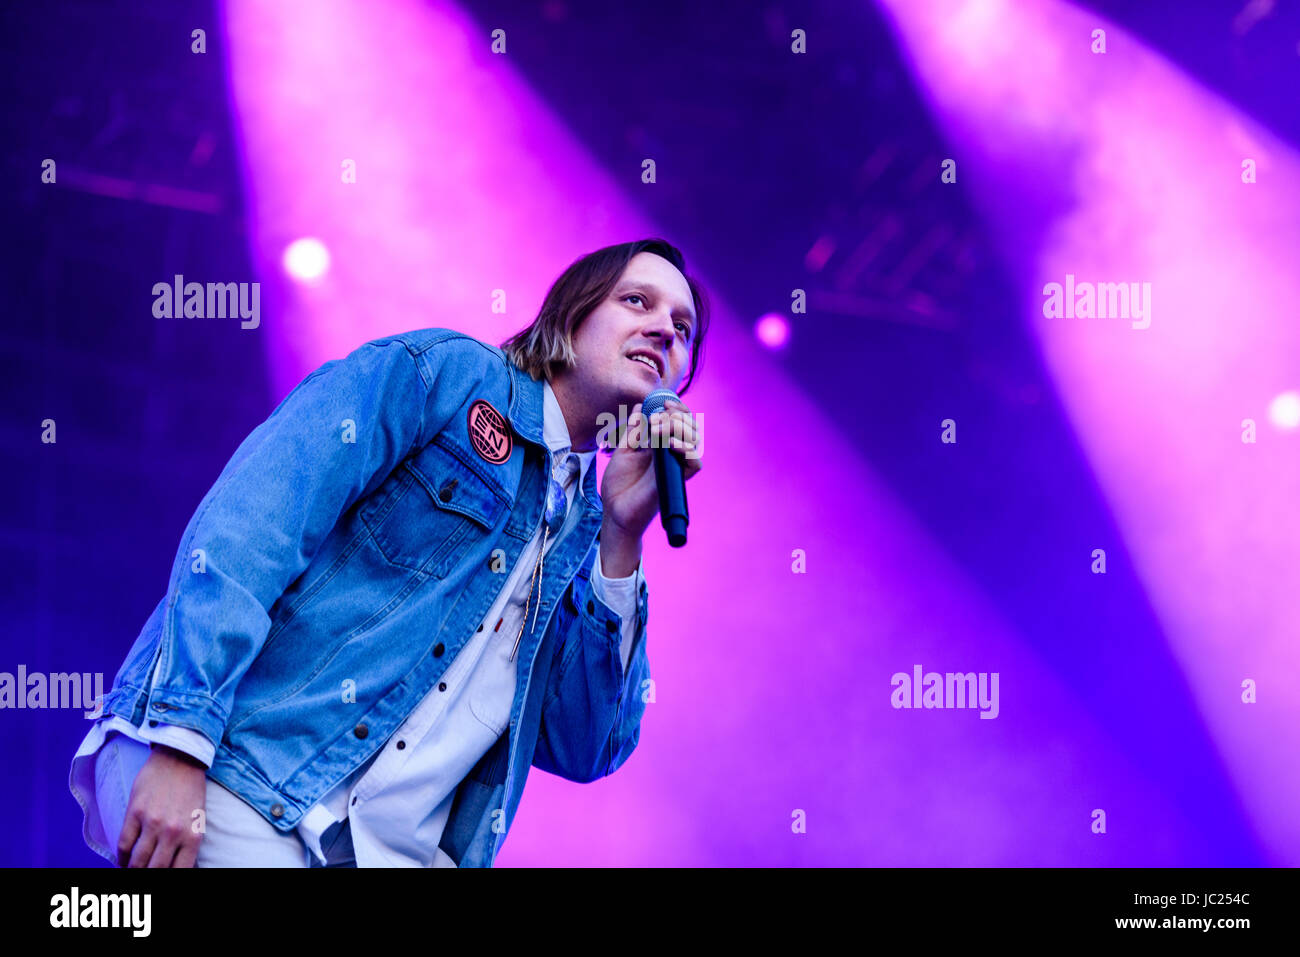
{"x":236,"y":835}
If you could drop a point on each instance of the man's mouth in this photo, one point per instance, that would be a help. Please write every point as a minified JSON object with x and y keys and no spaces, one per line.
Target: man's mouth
{"x":642,"y":359}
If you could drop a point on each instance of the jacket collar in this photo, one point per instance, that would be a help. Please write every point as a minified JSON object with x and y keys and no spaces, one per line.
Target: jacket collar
{"x":526,"y":418}
{"x":525,"y":412}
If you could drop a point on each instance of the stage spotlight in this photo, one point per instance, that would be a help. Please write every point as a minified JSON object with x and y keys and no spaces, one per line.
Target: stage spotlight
{"x":306,"y":260}
{"x":772,"y":331}
{"x":1284,"y":411}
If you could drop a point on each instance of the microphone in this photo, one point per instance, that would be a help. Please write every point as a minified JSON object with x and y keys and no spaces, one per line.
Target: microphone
{"x":668,"y":475}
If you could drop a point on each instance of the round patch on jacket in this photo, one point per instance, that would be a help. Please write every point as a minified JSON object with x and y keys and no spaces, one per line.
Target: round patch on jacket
{"x":488,"y":432}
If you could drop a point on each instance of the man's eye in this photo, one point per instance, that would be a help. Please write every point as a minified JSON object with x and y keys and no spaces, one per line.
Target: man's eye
{"x":635,"y":295}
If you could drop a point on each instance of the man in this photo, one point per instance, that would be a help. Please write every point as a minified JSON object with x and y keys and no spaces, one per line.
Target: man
{"x":403,"y":591}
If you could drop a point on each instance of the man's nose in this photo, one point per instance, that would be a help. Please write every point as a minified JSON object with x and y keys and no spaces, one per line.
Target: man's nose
{"x":660,"y":325}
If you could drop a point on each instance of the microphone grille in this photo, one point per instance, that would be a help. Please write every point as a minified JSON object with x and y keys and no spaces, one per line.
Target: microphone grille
{"x":656,"y":401}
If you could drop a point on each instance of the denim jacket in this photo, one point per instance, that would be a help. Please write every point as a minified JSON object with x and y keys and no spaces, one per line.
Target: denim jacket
{"x":348,"y":549}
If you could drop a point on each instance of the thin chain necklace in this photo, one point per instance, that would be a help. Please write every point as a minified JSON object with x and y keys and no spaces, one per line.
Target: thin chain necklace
{"x":555,"y":495}
{"x":537,"y":570}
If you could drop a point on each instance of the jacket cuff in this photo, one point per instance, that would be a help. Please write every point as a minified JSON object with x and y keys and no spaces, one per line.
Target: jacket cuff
{"x":623,"y":597}
{"x":182,"y":739}
{"x":197,"y":744}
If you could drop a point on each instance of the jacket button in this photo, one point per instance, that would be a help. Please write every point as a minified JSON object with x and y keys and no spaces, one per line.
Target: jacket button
{"x":438,"y":649}
{"x":361,"y":731}
{"x":401,"y":745}
{"x":277,"y":810}
{"x":591,"y":607}
{"x":611,"y":627}
{"x":442,"y":686}
{"x":447,"y":490}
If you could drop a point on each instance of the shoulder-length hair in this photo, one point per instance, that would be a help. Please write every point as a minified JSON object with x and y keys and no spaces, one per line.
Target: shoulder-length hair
{"x":546,"y":346}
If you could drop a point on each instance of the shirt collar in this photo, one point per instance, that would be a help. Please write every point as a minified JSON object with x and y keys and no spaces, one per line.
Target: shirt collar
{"x":555,"y":432}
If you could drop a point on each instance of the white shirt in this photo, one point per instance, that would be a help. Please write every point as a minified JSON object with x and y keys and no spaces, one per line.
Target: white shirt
{"x":398,"y":801}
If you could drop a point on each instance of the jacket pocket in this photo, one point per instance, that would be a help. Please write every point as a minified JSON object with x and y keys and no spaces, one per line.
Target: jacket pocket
{"x":428,"y":509}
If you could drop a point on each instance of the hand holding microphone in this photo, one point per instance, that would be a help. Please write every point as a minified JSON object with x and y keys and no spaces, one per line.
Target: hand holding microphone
{"x":656,"y":454}
{"x":671,"y":466}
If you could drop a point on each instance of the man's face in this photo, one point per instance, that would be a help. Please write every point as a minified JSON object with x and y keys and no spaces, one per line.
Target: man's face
{"x":649,"y":313}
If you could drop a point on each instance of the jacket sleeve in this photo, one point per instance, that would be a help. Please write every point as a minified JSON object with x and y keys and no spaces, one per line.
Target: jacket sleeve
{"x":332,"y":440}
{"x":182,"y":739}
{"x":591,"y":717}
